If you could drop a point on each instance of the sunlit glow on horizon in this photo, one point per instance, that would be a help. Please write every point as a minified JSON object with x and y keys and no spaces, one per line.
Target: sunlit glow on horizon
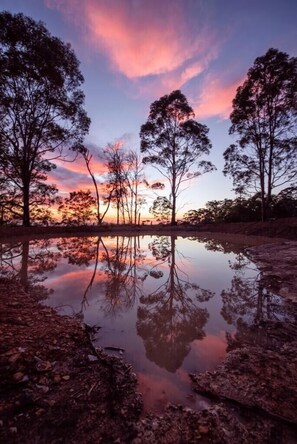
{"x":132,"y":52}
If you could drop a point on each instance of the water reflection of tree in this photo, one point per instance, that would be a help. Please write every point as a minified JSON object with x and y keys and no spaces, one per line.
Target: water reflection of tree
{"x":170,"y":317}
{"x":252,"y":308}
{"x":27,"y":262}
{"x":121,"y":264}
{"x":79,"y":250}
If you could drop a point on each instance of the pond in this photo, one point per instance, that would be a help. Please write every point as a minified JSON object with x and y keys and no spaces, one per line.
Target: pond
{"x":168,"y":305}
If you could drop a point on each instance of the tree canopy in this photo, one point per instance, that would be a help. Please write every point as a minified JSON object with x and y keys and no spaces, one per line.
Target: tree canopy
{"x":264,"y":117}
{"x":173,"y":142}
{"x":78,"y":208}
{"x":41,"y":104}
{"x":161,"y":209}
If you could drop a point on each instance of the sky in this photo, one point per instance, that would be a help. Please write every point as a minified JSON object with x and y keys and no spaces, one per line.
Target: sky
{"x":132,"y":52}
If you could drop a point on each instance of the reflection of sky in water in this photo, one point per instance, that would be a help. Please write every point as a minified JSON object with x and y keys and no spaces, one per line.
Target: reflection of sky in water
{"x":167,"y":301}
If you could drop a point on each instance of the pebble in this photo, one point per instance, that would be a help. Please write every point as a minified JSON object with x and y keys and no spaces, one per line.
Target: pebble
{"x":203,"y":429}
{"x":18,"y":376}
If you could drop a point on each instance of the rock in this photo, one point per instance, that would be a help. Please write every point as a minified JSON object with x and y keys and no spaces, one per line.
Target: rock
{"x":92,"y":358}
{"x":43,"y":388}
{"x":13,"y":358}
{"x":256,"y":377}
{"x":203,"y":429}
{"x":18,"y":376}
{"x":43,"y":366}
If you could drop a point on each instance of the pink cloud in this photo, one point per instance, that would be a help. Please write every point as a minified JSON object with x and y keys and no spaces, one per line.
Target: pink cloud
{"x":215,"y":98}
{"x":176,"y":79}
{"x":144,"y":38}
{"x":79,"y":166}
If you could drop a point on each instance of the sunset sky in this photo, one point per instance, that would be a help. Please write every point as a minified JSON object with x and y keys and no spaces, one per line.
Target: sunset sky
{"x":134,"y":51}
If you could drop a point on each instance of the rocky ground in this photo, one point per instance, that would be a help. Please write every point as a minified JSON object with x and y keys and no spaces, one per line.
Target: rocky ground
{"x":57,"y":388}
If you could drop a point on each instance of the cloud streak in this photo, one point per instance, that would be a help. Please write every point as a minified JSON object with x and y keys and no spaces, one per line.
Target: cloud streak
{"x":215,"y":98}
{"x":144,"y":39}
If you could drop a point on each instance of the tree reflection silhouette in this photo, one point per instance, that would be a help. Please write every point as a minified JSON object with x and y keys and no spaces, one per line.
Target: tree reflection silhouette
{"x":121,"y":264}
{"x":169,"y":318}
{"x":27,"y":262}
{"x":81,"y":251}
{"x":78,"y":250}
{"x":252,"y":308}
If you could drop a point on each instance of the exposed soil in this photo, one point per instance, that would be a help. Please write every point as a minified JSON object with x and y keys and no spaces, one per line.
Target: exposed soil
{"x":56,"y":387}
{"x":282,"y":228}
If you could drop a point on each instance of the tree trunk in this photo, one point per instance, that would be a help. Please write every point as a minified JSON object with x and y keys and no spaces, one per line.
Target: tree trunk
{"x":173,"y":186}
{"x":269,"y":179}
{"x":118,"y":212}
{"x":173,"y":211}
{"x":26,"y":206}
{"x":24,"y":265}
{"x":262,"y":185}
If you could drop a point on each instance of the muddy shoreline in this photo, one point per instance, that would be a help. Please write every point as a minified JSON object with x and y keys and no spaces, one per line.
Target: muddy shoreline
{"x":56,"y":387}
{"x":282,"y":228}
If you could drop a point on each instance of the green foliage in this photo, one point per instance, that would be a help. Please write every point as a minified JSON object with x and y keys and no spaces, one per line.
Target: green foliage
{"x":41,"y":103}
{"x":173,"y":141}
{"x":264,"y":117}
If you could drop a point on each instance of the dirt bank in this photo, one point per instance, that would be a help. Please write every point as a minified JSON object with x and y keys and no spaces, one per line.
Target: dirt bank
{"x":55,"y":387}
{"x":283,"y":228}
{"x":260,"y":375}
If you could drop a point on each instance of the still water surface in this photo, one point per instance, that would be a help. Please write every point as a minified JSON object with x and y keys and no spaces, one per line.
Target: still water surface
{"x":173,"y":304}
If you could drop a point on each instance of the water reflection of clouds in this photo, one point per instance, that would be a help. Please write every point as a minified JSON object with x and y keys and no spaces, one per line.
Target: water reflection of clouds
{"x":208,"y":352}
{"x":174,"y":300}
{"x":158,"y":390}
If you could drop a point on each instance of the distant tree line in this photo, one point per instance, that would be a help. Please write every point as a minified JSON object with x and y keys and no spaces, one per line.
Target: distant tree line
{"x":241,"y":209}
{"x":42,"y":120}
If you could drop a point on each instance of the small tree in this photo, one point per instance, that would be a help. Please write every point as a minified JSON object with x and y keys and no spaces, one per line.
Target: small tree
{"x":264,"y":117}
{"x":161,"y":209}
{"x":78,"y":208}
{"x":134,"y":178}
{"x":104,"y":199}
{"x":173,"y":142}
{"x":116,"y":181}
{"x":41,"y":103}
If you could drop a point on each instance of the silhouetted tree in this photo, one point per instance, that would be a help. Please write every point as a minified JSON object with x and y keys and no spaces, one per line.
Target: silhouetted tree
{"x":78,"y":208}
{"x":41,"y":103}
{"x":173,"y":142}
{"x":116,"y":181}
{"x":285,"y":203}
{"x":264,"y":117}
{"x":100,"y":215}
{"x":125,"y":175}
{"x":10,"y":201}
{"x":161,"y":209}
{"x":134,"y":178}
